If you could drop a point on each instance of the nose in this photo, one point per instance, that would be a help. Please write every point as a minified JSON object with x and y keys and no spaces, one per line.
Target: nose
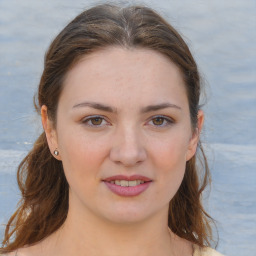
{"x":128,"y":148}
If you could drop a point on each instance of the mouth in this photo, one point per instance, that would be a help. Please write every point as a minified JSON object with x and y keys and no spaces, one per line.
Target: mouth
{"x":127,"y":186}
{"x":127,"y":183}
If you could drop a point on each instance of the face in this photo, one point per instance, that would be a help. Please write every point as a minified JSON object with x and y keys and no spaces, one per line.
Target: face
{"x":123,"y":112}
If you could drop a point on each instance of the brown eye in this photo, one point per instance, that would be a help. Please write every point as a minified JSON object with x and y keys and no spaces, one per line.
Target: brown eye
{"x":158,"y":121}
{"x":161,"y":121}
{"x":96,"y":121}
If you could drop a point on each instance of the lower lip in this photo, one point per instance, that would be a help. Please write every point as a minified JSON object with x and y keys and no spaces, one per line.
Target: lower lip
{"x":128,"y":191}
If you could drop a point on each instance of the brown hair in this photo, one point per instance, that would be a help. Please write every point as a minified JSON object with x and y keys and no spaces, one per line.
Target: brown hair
{"x":44,"y":205}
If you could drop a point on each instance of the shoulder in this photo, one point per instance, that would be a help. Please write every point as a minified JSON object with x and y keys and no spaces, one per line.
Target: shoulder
{"x":10,"y":254}
{"x":207,"y":251}
{"x":15,"y":253}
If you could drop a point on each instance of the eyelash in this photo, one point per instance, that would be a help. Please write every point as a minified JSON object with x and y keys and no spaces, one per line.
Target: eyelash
{"x":90,"y":118}
{"x":168,"y":121}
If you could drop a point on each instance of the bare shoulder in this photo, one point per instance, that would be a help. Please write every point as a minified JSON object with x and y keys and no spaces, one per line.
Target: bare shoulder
{"x":205,"y":251}
{"x":24,"y":251}
{"x":14,"y":253}
{"x":10,"y":254}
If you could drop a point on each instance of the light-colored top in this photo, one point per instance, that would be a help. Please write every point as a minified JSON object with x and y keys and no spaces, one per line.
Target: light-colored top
{"x":198,"y":251}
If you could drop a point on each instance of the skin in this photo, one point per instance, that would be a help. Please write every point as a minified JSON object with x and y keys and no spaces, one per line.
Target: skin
{"x":125,"y":141}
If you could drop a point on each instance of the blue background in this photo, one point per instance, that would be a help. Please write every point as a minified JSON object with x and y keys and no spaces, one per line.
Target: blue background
{"x":221,"y":35}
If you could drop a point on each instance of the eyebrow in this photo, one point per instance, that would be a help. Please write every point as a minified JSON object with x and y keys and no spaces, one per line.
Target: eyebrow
{"x":106,"y":108}
{"x":95,"y":105}
{"x":151,"y":108}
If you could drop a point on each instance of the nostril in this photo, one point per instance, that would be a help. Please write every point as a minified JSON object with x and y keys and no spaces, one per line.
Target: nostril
{"x":128,"y":157}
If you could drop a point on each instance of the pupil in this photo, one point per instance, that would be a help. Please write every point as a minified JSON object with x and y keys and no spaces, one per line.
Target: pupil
{"x":158,"y":121}
{"x":96,"y":121}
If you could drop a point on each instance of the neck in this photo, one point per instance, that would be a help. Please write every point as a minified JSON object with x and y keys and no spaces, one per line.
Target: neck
{"x":100,"y":237}
{"x":85,"y":233}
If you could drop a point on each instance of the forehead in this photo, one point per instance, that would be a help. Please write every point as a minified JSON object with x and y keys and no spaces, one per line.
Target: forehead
{"x":114,"y":72}
{"x":112,"y":59}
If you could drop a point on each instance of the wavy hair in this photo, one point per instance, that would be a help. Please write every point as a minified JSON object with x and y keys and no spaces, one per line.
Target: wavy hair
{"x":44,"y":188}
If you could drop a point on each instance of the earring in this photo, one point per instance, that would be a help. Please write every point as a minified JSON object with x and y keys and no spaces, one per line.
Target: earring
{"x":56,"y":152}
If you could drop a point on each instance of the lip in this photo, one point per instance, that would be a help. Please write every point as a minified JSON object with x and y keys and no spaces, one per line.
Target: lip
{"x":128,"y":191}
{"x":129,"y":178}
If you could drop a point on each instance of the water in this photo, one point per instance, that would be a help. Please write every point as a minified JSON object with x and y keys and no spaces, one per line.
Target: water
{"x":221,"y":35}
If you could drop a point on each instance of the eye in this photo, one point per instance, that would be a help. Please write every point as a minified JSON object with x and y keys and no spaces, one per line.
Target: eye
{"x":161,"y":121}
{"x":158,"y":121}
{"x":95,"y":121}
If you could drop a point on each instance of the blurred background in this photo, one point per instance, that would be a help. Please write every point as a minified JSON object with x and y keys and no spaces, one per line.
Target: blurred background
{"x":221,"y":35}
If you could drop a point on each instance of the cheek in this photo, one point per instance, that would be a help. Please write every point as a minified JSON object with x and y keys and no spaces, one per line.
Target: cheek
{"x":82,"y":162}
{"x":82,"y":155}
{"x":170,"y":162}
{"x":170,"y":151}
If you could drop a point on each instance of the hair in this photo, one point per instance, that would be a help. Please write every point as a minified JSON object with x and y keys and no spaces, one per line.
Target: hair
{"x":44,"y":188}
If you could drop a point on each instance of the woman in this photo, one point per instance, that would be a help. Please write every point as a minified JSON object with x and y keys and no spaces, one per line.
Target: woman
{"x":114,"y":172}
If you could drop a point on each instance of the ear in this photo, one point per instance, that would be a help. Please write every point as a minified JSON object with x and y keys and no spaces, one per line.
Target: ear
{"x":195,"y":136}
{"x":50,"y":132}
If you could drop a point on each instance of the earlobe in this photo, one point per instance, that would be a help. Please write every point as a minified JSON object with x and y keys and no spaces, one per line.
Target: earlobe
{"x":196,"y":136}
{"x":50,"y":132}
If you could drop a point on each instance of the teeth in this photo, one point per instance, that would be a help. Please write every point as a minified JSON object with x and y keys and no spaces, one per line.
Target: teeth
{"x":126,"y":183}
{"x":117,"y":182}
{"x":132,"y":183}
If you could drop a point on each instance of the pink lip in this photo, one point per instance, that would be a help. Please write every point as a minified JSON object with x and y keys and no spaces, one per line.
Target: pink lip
{"x":129,"y":178}
{"x":127,"y":191}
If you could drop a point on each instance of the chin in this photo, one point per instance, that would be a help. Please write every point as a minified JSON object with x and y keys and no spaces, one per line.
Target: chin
{"x":128,"y":214}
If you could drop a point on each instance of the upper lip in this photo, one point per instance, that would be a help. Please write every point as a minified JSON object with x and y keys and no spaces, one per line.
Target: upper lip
{"x":129,"y":178}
